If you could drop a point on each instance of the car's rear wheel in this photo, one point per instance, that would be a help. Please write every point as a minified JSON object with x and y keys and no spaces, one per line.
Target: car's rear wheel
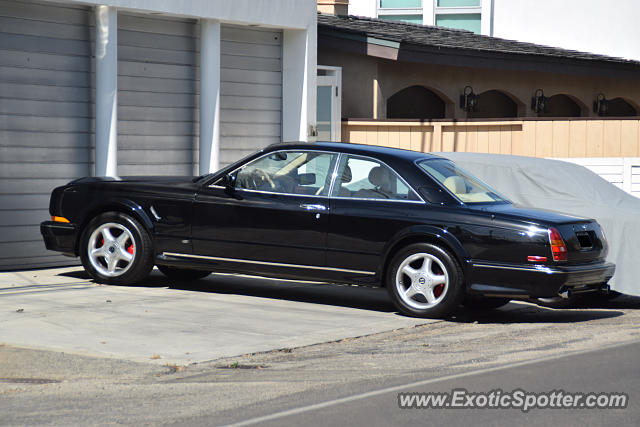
{"x":182,"y":274}
{"x":424,"y":280}
{"x":116,"y":249}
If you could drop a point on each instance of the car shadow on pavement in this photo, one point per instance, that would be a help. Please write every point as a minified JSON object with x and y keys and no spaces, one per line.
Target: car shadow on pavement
{"x":376,"y":299}
{"x":515,"y":312}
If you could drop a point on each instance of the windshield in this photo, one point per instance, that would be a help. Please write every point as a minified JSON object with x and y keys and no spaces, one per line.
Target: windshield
{"x":464,"y":186}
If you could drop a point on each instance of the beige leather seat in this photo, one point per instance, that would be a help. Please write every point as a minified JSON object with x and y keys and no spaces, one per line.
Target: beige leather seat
{"x":380,"y":179}
{"x":456,"y":185}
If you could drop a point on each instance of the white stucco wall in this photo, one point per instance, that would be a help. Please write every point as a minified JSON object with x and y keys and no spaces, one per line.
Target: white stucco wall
{"x":363,"y":8}
{"x":599,"y":26}
{"x":295,"y":14}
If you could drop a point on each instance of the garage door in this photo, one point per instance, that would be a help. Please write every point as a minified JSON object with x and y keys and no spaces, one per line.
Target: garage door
{"x":157,"y":84}
{"x":251,"y":91}
{"x":158,"y":88}
{"x":45,"y":124}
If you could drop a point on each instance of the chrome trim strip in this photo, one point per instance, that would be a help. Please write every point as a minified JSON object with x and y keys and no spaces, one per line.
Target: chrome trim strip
{"x":419,"y":202}
{"x":312,"y":207}
{"x":334,"y":175}
{"x":279,"y":194}
{"x":327,"y":197}
{"x":536,"y":269}
{"x":277,"y":264}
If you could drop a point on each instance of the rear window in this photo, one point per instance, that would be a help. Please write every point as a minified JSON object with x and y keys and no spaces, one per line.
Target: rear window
{"x":464,"y":186}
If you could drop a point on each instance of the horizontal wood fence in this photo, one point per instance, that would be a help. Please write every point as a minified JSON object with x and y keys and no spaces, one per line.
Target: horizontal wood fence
{"x":536,"y":138}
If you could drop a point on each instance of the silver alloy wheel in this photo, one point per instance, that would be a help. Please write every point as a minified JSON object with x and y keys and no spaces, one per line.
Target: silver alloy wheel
{"x":422,"y":281}
{"x":111,"y":249}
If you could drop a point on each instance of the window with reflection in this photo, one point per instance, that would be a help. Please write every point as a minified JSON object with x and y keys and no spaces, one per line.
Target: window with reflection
{"x":288,"y":172}
{"x":366,"y":178}
{"x":464,"y":186}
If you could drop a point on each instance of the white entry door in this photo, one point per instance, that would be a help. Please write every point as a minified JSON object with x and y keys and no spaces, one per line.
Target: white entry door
{"x":329,"y":103}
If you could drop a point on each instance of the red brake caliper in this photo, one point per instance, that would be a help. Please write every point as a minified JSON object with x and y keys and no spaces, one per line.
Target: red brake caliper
{"x":437,"y":291}
{"x":130,"y":249}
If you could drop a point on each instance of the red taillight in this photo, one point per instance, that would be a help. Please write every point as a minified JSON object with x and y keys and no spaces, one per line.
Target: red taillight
{"x":558,"y":248}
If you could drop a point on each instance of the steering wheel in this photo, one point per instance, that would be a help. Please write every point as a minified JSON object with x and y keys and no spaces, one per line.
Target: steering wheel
{"x":258,"y":177}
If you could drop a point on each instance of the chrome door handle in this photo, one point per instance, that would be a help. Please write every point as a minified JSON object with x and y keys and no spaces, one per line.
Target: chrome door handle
{"x":312,"y":207}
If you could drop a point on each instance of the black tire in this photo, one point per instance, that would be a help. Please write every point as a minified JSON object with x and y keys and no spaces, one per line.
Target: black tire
{"x":182,"y":274}
{"x":484,"y":303}
{"x":442,"y":263}
{"x":138,"y":245}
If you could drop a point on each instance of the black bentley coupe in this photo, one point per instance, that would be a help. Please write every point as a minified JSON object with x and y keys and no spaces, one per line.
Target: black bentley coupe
{"x":415,"y":223}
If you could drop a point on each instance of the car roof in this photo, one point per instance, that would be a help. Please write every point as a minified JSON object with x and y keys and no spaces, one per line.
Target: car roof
{"x":352,"y":148}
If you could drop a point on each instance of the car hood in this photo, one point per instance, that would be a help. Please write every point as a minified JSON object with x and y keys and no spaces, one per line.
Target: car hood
{"x":137,"y":179}
{"x":537,"y":216}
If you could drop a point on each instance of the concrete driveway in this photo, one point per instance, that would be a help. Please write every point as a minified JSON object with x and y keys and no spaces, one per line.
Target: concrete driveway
{"x":159,"y":321}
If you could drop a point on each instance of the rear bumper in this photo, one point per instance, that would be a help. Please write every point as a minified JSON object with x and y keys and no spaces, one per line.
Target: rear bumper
{"x":59,"y":236}
{"x":538,"y":281}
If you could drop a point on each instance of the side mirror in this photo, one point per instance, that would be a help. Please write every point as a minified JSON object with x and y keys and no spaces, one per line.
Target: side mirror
{"x":229,"y":183}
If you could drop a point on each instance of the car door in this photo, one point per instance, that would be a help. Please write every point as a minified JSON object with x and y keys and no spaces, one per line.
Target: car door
{"x":277,"y":213}
{"x":370,"y":203}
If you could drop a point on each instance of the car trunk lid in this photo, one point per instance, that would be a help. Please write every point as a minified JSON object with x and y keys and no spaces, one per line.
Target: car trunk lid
{"x":585,"y":241}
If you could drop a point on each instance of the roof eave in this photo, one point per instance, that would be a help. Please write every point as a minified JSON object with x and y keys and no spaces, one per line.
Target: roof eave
{"x":354,"y":42}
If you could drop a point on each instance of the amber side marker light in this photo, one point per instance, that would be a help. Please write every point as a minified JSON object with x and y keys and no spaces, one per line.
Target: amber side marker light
{"x":59,"y":219}
{"x":558,"y":248}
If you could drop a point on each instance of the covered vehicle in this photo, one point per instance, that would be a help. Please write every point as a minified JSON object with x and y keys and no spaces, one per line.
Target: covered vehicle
{"x":570,"y":188}
{"x":413,"y":222}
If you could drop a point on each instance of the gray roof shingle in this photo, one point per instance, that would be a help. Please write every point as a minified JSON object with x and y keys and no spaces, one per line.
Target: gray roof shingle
{"x":440,"y":37}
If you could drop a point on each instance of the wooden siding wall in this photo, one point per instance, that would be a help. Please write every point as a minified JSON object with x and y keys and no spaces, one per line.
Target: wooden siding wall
{"x":46,"y":125}
{"x":536,"y":138}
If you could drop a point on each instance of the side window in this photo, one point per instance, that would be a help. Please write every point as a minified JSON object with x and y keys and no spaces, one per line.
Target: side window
{"x":289,"y":172}
{"x":365,"y":178}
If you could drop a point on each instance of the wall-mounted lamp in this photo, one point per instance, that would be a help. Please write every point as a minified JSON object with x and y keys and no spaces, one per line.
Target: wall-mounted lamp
{"x":468,"y":100}
{"x":601,"y":105}
{"x":539,"y":102}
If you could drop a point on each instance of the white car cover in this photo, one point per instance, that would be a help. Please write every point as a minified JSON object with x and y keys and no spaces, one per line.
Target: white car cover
{"x":569,"y":188}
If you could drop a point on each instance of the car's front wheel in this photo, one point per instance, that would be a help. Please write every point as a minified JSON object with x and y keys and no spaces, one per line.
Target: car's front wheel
{"x":424,"y":280}
{"x":116,"y":249}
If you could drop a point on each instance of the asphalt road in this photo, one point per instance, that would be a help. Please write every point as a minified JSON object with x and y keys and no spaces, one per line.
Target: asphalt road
{"x":610,"y":370}
{"x":41,"y":385}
